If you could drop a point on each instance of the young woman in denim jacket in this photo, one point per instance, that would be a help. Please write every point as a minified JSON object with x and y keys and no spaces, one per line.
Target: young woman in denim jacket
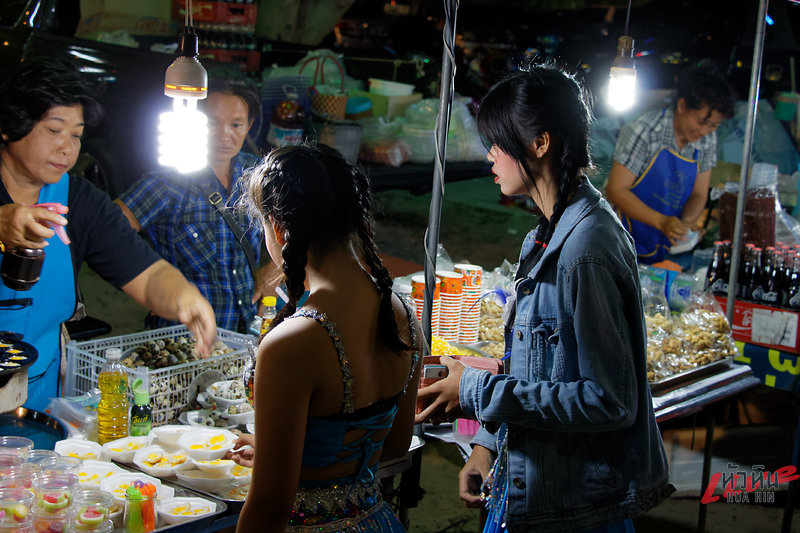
{"x":572,"y":421}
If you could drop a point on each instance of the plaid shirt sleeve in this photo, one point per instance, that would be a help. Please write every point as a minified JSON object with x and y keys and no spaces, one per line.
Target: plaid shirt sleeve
{"x":633,"y":145}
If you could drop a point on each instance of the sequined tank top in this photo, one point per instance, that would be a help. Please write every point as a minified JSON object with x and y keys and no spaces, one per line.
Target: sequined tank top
{"x":325,"y":435}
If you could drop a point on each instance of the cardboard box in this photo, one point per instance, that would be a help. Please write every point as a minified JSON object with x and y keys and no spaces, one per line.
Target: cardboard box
{"x":771,"y":327}
{"x":390,"y":106}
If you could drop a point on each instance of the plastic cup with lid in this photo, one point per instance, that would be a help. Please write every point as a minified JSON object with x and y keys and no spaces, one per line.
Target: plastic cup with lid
{"x":14,"y":445}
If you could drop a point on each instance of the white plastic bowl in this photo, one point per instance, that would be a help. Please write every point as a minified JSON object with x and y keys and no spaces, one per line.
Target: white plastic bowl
{"x":389,"y":88}
{"x":243,"y":418}
{"x":182,"y":509}
{"x":124,"y":449}
{"x":207,"y":444}
{"x":207,"y":481}
{"x":91,"y":473}
{"x":168,"y":435}
{"x":223,"y":403}
{"x":158,"y":462}
{"x":81,"y":448}
{"x":241,"y":474}
{"x":222,"y":467}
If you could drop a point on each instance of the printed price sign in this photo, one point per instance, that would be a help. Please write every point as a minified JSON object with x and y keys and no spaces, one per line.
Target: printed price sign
{"x":774,"y":327}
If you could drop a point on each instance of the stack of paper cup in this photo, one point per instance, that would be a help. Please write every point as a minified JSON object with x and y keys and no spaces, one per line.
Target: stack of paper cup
{"x":452,"y":287}
{"x":470,"y":302}
{"x":418,"y":297}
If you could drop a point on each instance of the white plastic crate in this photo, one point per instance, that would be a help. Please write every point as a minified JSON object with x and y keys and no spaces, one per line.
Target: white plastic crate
{"x":169,"y":387}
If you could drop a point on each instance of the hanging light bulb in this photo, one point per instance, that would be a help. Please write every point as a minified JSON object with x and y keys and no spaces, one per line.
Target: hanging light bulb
{"x":183,"y":132}
{"x":622,"y":78}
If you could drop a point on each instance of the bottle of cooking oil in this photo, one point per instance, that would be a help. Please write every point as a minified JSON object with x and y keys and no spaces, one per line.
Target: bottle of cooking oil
{"x":112,"y":411}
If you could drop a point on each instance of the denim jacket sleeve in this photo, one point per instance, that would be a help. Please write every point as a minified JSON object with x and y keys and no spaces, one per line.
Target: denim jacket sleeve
{"x":598,"y":314}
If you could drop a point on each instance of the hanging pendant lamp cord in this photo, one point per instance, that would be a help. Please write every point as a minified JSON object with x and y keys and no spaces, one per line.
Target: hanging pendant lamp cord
{"x":627,"y":17}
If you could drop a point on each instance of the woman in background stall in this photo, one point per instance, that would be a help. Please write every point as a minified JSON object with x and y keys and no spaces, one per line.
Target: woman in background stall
{"x":336,"y":380}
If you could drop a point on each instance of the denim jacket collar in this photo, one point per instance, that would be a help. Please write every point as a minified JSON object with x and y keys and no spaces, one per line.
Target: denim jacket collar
{"x":585,"y":199}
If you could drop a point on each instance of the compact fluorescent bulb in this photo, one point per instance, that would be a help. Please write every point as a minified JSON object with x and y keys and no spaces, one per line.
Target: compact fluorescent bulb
{"x":622,"y":77}
{"x":183,"y":132}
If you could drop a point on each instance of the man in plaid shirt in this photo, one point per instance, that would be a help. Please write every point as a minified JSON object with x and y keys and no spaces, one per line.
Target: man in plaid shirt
{"x":186,"y":229}
{"x":662,"y":163}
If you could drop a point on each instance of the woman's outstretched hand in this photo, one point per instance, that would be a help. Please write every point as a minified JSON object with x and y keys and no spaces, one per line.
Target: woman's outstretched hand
{"x":243,"y":450}
{"x":442,"y":395}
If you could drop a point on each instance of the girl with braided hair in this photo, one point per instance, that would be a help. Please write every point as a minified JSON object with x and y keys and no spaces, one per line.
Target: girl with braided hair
{"x":336,"y":380}
{"x":568,"y":438}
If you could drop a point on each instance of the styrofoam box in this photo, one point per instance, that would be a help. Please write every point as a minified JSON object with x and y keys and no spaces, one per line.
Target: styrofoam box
{"x":169,"y":387}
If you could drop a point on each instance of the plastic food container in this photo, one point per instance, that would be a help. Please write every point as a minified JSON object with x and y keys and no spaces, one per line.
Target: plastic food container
{"x":183,"y":509}
{"x":207,"y":444}
{"x":91,"y":473}
{"x":92,"y":511}
{"x":15,"y":507}
{"x":61,"y":465}
{"x":169,"y":435}
{"x":207,"y":481}
{"x":54,"y":494}
{"x":156,"y":461}
{"x":421,"y":141}
{"x":13,"y":445}
{"x":37,"y":456}
{"x":227,"y":393}
{"x":221,"y":467}
{"x":124,"y":449}
{"x":80,"y":449}
{"x":389,"y":88}
{"x":21,"y":477}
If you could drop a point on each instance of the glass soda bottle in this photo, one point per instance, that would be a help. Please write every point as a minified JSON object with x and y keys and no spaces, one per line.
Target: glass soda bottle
{"x":714,"y":275}
{"x":112,"y":411}
{"x":269,"y":303}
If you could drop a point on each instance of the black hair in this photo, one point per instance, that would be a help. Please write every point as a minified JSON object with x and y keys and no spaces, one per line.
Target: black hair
{"x":30,"y":90}
{"x":240,"y":89}
{"x":319,"y":199}
{"x":703,"y":85}
{"x":536,"y":99}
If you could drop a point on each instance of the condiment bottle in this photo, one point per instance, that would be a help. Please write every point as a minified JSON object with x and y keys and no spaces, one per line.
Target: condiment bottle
{"x":141,"y":412}
{"x":269,"y":303}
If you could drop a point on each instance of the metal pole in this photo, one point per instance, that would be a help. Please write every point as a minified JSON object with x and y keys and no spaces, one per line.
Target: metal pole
{"x":437,"y":192}
{"x":752,"y":108}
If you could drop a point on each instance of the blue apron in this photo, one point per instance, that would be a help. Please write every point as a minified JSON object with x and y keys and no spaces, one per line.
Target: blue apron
{"x":665,"y":186}
{"x":52,"y":301}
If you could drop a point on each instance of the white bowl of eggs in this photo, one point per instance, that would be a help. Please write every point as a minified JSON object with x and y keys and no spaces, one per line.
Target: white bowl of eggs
{"x":158,"y":462}
{"x":182,"y":509}
{"x":226,"y":393}
{"x":207,"y":444}
{"x":123,"y":450}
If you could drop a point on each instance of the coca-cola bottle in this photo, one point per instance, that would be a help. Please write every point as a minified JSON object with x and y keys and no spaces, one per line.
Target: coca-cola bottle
{"x":793,"y":291}
{"x":716,"y":281}
{"x":771,"y":277}
{"x":745,"y":268}
{"x":757,"y":282}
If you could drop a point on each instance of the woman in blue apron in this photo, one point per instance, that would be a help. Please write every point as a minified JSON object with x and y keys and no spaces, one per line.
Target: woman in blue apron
{"x":660,"y":177}
{"x":44,"y":107}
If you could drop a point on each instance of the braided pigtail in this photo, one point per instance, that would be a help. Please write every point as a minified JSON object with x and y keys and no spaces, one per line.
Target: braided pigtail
{"x":295,"y":256}
{"x":387,"y":322}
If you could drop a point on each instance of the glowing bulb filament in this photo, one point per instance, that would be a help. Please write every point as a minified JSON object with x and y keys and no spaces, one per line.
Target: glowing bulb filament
{"x":183,"y":136}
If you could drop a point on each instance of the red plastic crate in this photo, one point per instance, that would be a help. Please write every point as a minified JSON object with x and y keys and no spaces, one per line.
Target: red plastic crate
{"x":763,"y":325}
{"x":219,"y":12}
{"x":249,"y":60}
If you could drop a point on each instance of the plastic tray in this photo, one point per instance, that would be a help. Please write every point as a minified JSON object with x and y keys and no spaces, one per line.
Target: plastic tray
{"x":170,"y":387}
